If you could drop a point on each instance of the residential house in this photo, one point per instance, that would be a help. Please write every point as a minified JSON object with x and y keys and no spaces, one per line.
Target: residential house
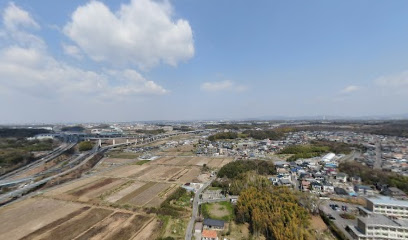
{"x":209,"y":235}
{"x":341,"y":177}
{"x":363,"y":190}
{"x":213,"y":224}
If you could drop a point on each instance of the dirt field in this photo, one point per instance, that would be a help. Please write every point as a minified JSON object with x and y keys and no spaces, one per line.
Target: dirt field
{"x":103,"y":228}
{"x":117,"y":160}
{"x":144,"y":194}
{"x":122,"y":193}
{"x":126,"y":171}
{"x":317,"y":223}
{"x":132,"y":227}
{"x":149,"y":232}
{"x":93,"y":207}
{"x":22,"y":218}
{"x":76,"y":226}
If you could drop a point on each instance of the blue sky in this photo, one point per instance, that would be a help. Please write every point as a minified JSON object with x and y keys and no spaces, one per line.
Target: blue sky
{"x":190,"y":59}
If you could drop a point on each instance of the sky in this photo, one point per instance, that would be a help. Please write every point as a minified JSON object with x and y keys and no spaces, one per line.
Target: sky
{"x":138,"y":60}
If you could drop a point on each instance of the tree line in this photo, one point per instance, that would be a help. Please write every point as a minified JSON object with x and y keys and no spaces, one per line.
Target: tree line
{"x":371,"y":176}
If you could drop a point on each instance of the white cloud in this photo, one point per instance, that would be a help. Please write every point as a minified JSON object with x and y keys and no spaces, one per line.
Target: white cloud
{"x":395,"y":81}
{"x":14,"y":17}
{"x":226,"y":85}
{"x":17,"y":23}
{"x":27,"y":67}
{"x":36,"y":73}
{"x":141,"y":33}
{"x":72,"y":50}
{"x":350,"y":89}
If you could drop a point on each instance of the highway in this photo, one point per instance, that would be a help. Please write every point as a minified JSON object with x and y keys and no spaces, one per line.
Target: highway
{"x":13,"y":176}
{"x":74,"y":163}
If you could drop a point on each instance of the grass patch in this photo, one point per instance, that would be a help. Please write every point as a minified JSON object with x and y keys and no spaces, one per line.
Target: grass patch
{"x":125,"y":155}
{"x":141,"y":162}
{"x":220,"y":210}
{"x":347,"y":216}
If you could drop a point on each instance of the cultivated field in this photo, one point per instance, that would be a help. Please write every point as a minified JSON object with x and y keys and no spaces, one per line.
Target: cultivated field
{"x":110,"y":202}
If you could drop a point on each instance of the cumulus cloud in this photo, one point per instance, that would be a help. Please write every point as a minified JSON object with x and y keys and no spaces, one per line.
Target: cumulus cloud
{"x":142,"y":33}
{"x":350,"y":89}
{"x":28,"y":68}
{"x":396,"y":80}
{"x":226,"y":85}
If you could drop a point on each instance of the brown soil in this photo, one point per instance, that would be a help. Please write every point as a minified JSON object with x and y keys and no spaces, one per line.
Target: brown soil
{"x":52,"y":225}
{"x":76,"y":226}
{"x":317,"y":223}
{"x":103,"y":228}
{"x":135,"y":193}
{"x":123,"y":192}
{"x":147,"y":195}
{"x":149,"y":232}
{"x":128,"y":231}
{"x":21,"y":218}
{"x":92,"y":187}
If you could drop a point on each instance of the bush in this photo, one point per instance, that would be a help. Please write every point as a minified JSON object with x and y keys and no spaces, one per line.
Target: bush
{"x":223,"y":135}
{"x":347,"y":216}
{"x":85,"y":146}
{"x":234,"y":169}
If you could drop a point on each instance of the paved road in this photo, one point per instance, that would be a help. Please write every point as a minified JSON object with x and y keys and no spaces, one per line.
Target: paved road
{"x":378,"y":161}
{"x":340,"y":222}
{"x":189,"y":230}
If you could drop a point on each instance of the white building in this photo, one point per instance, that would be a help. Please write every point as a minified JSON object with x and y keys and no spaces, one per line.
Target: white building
{"x":388,"y":206}
{"x":328,"y":157}
{"x":377,"y":226}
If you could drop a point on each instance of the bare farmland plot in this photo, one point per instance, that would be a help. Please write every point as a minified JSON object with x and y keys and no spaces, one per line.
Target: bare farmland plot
{"x":200,"y":161}
{"x":54,"y":224}
{"x":135,"y":193}
{"x":92,"y":186}
{"x":149,"y":232}
{"x":190,"y":175}
{"x":147,"y":195}
{"x":125,"y":191}
{"x":103,"y":228}
{"x":126,"y":171}
{"x":77,"y":225}
{"x":93,"y":190}
{"x":128,"y":231}
{"x":178,"y":175}
{"x":22,"y":218}
{"x":72,"y":185}
{"x":142,"y":172}
{"x":156,"y":201}
{"x":169,"y":172}
{"x":218,"y":162}
{"x":162,"y":160}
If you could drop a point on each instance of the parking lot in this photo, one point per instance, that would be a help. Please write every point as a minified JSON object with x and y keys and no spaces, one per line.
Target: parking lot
{"x":334,"y":214}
